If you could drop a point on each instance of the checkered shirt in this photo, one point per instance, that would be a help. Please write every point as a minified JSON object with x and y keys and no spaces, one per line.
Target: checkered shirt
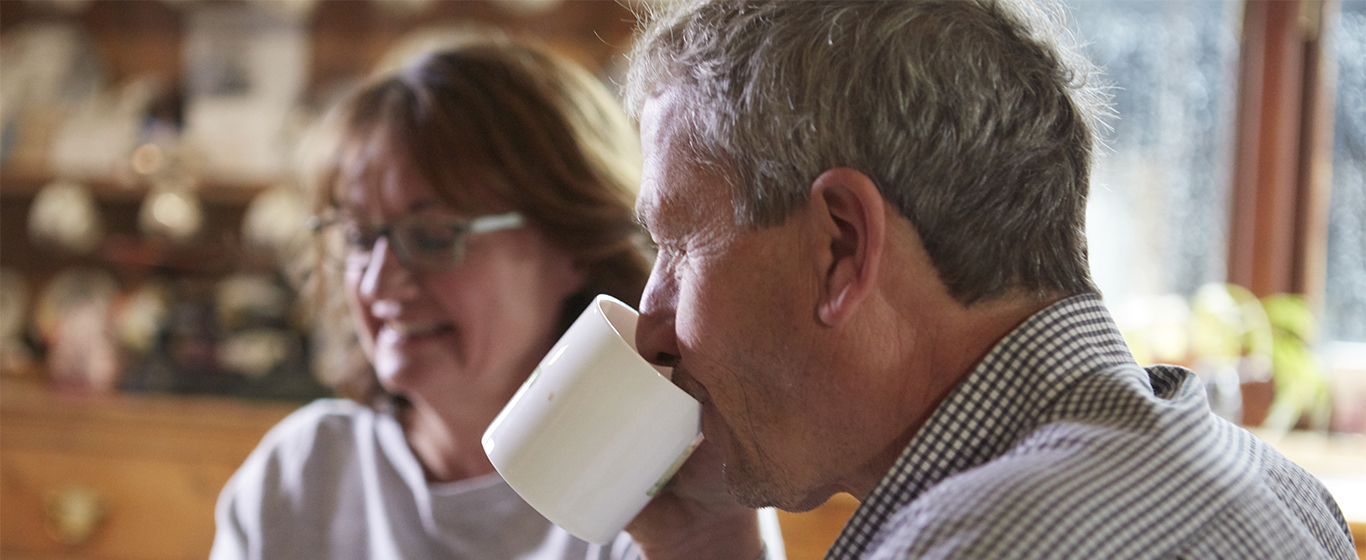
{"x":1057,"y":445}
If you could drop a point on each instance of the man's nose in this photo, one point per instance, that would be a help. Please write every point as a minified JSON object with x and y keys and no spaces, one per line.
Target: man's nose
{"x":656,"y":338}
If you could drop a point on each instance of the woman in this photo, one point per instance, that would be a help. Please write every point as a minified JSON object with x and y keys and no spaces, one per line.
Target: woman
{"x":478,"y":199}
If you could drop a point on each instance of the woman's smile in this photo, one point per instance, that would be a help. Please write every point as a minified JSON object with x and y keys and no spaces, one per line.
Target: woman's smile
{"x":411,"y":329}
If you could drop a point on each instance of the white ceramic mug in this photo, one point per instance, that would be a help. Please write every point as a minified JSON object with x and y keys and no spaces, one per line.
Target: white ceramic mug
{"x":596,"y":430}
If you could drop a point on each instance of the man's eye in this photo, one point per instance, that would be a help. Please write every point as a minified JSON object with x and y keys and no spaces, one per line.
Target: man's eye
{"x":666,"y":250}
{"x":673,"y":254}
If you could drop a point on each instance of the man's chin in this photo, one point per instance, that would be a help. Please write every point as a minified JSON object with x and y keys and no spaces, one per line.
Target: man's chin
{"x":750,"y":496}
{"x":754,"y":489}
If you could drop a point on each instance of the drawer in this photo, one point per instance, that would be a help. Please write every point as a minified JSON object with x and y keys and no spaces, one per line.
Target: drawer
{"x":147,"y":509}
{"x":147,"y":470}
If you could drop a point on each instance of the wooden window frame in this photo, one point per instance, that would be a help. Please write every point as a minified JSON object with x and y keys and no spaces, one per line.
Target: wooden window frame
{"x":1278,"y":233}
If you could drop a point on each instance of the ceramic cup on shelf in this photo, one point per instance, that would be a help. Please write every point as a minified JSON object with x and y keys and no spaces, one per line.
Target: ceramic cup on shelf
{"x":595,"y":431}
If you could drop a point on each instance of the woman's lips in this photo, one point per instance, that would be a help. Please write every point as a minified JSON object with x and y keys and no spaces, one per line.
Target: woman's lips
{"x":411,"y":329}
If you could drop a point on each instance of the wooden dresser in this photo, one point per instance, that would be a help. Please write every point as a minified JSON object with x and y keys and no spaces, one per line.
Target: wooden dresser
{"x":118,"y":476}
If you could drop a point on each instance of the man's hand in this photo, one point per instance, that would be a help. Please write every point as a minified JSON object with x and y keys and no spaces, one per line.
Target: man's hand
{"x":694,"y":517}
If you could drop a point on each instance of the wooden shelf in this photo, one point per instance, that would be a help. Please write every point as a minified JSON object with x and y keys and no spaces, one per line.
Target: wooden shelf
{"x":25,"y":183}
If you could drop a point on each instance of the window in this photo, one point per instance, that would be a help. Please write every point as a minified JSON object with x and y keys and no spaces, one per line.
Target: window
{"x":1344,"y":316}
{"x":1158,"y":214}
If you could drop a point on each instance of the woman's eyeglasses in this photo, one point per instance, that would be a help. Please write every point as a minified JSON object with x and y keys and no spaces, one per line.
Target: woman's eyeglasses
{"x":420,"y":242}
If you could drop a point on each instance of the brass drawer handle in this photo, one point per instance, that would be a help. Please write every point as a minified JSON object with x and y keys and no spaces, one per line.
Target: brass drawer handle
{"x":73,"y":514}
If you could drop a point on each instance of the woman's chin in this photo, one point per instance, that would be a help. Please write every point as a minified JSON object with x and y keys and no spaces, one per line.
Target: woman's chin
{"x":425,"y":377}
{"x":408,"y":357}
{"x":403,"y":373}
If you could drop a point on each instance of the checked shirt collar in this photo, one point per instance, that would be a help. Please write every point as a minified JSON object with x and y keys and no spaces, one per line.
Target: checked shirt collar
{"x":1004,"y":398}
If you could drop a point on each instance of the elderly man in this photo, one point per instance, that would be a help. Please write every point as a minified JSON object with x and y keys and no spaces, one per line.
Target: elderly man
{"x":873,"y":274}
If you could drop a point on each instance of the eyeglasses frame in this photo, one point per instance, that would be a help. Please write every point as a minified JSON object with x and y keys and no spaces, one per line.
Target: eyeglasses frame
{"x":482,"y":224}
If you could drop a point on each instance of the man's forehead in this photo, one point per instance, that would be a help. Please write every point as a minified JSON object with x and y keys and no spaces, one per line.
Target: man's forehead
{"x":678,"y":187}
{"x":660,"y":130}
{"x":671,"y":201}
{"x":659,"y":112}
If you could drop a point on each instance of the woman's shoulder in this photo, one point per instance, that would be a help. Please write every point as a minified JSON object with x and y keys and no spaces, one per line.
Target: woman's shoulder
{"x":325,"y":429}
{"x":322,"y":417}
{"x":325,"y":413}
{"x":303,"y":476}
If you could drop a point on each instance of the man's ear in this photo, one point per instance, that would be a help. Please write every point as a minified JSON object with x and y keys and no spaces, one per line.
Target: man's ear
{"x":851,"y":214}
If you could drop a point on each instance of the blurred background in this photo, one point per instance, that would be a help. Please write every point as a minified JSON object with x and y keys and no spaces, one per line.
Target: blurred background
{"x":150,"y":199}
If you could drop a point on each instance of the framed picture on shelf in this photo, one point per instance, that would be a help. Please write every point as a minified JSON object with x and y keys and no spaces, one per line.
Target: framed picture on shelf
{"x":245,"y":69}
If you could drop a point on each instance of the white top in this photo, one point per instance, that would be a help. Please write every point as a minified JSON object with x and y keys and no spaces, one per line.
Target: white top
{"x":337,"y":480}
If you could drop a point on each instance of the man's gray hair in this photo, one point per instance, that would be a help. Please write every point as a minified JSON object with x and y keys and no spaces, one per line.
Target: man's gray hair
{"x":968,"y":116}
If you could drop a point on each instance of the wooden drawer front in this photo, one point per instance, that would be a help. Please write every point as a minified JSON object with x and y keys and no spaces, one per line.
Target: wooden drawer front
{"x":151,"y":509}
{"x":155,"y":464}
{"x":808,"y":535}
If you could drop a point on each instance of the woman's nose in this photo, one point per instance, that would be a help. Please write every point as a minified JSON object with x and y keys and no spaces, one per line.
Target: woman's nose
{"x":656,"y":337}
{"x":385,"y":277}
